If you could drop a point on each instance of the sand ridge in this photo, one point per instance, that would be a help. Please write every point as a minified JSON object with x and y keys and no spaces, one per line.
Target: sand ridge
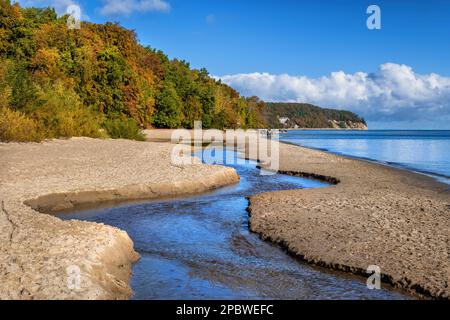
{"x":374,"y":215}
{"x":39,"y":252}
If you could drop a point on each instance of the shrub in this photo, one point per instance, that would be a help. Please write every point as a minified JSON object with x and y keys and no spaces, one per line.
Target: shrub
{"x":61,"y":114}
{"x":123,"y":128}
{"x":15,"y":126}
{"x":76,"y":122}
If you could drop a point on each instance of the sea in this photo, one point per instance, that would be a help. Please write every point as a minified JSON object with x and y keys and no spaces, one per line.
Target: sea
{"x":423,"y":151}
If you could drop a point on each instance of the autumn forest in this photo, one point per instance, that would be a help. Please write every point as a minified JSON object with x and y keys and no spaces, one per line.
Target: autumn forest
{"x":99,"y":81}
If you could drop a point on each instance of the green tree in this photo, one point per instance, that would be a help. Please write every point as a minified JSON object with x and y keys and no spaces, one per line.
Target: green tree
{"x":168,"y":107}
{"x":109,"y":78}
{"x":23,"y":90}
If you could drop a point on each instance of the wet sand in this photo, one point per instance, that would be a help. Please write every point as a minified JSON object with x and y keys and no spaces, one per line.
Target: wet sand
{"x":37,"y":249}
{"x":374,"y":215}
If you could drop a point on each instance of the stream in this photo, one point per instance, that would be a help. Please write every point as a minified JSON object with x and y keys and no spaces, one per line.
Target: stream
{"x":200,"y":247}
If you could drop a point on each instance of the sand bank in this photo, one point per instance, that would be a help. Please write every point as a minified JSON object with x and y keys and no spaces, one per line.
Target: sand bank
{"x":370,"y":215}
{"x":40,"y":255}
{"x":375,"y":215}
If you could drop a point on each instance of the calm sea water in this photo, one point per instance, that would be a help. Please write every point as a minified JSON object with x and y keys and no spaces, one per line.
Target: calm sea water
{"x":423,"y":151}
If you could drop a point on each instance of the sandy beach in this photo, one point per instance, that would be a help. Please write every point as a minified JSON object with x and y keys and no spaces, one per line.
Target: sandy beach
{"x":40,"y":254}
{"x":376,"y":215}
{"x":372,"y":215}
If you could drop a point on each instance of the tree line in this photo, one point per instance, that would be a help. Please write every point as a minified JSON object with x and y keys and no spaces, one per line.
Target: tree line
{"x":98,"y":81}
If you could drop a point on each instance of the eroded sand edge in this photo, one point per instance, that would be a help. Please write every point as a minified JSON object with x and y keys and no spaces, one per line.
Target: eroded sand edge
{"x":40,"y":255}
{"x":376,"y":215}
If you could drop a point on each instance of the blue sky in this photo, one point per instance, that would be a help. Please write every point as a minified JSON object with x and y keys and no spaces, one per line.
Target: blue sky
{"x":286,"y":47}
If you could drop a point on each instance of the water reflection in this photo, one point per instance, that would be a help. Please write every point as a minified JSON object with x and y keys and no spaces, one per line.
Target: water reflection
{"x":201,"y":248}
{"x":425,"y":151}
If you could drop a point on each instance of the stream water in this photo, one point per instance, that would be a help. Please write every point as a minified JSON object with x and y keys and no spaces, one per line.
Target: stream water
{"x":200,"y":247}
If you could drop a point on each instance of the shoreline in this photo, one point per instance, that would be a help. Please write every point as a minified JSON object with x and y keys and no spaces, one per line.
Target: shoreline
{"x":441,"y":178}
{"x":374,"y":214}
{"x":408,"y":209}
{"x":325,"y":129}
{"x":39,"y":252}
{"x":328,"y":227}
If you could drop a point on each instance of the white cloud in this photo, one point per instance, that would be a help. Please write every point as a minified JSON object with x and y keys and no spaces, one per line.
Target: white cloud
{"x":394,"y":92}
{"x":127,"y":7}
{"x":110,"y":7}
{"x":59,"y":5}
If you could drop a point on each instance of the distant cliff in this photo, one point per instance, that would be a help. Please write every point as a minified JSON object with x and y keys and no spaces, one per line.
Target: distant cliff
{"x":303,"y":115}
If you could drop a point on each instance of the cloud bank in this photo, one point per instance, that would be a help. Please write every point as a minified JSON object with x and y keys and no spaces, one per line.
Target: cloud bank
{"x":393,"y":93}
{"x":127,"y":7}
